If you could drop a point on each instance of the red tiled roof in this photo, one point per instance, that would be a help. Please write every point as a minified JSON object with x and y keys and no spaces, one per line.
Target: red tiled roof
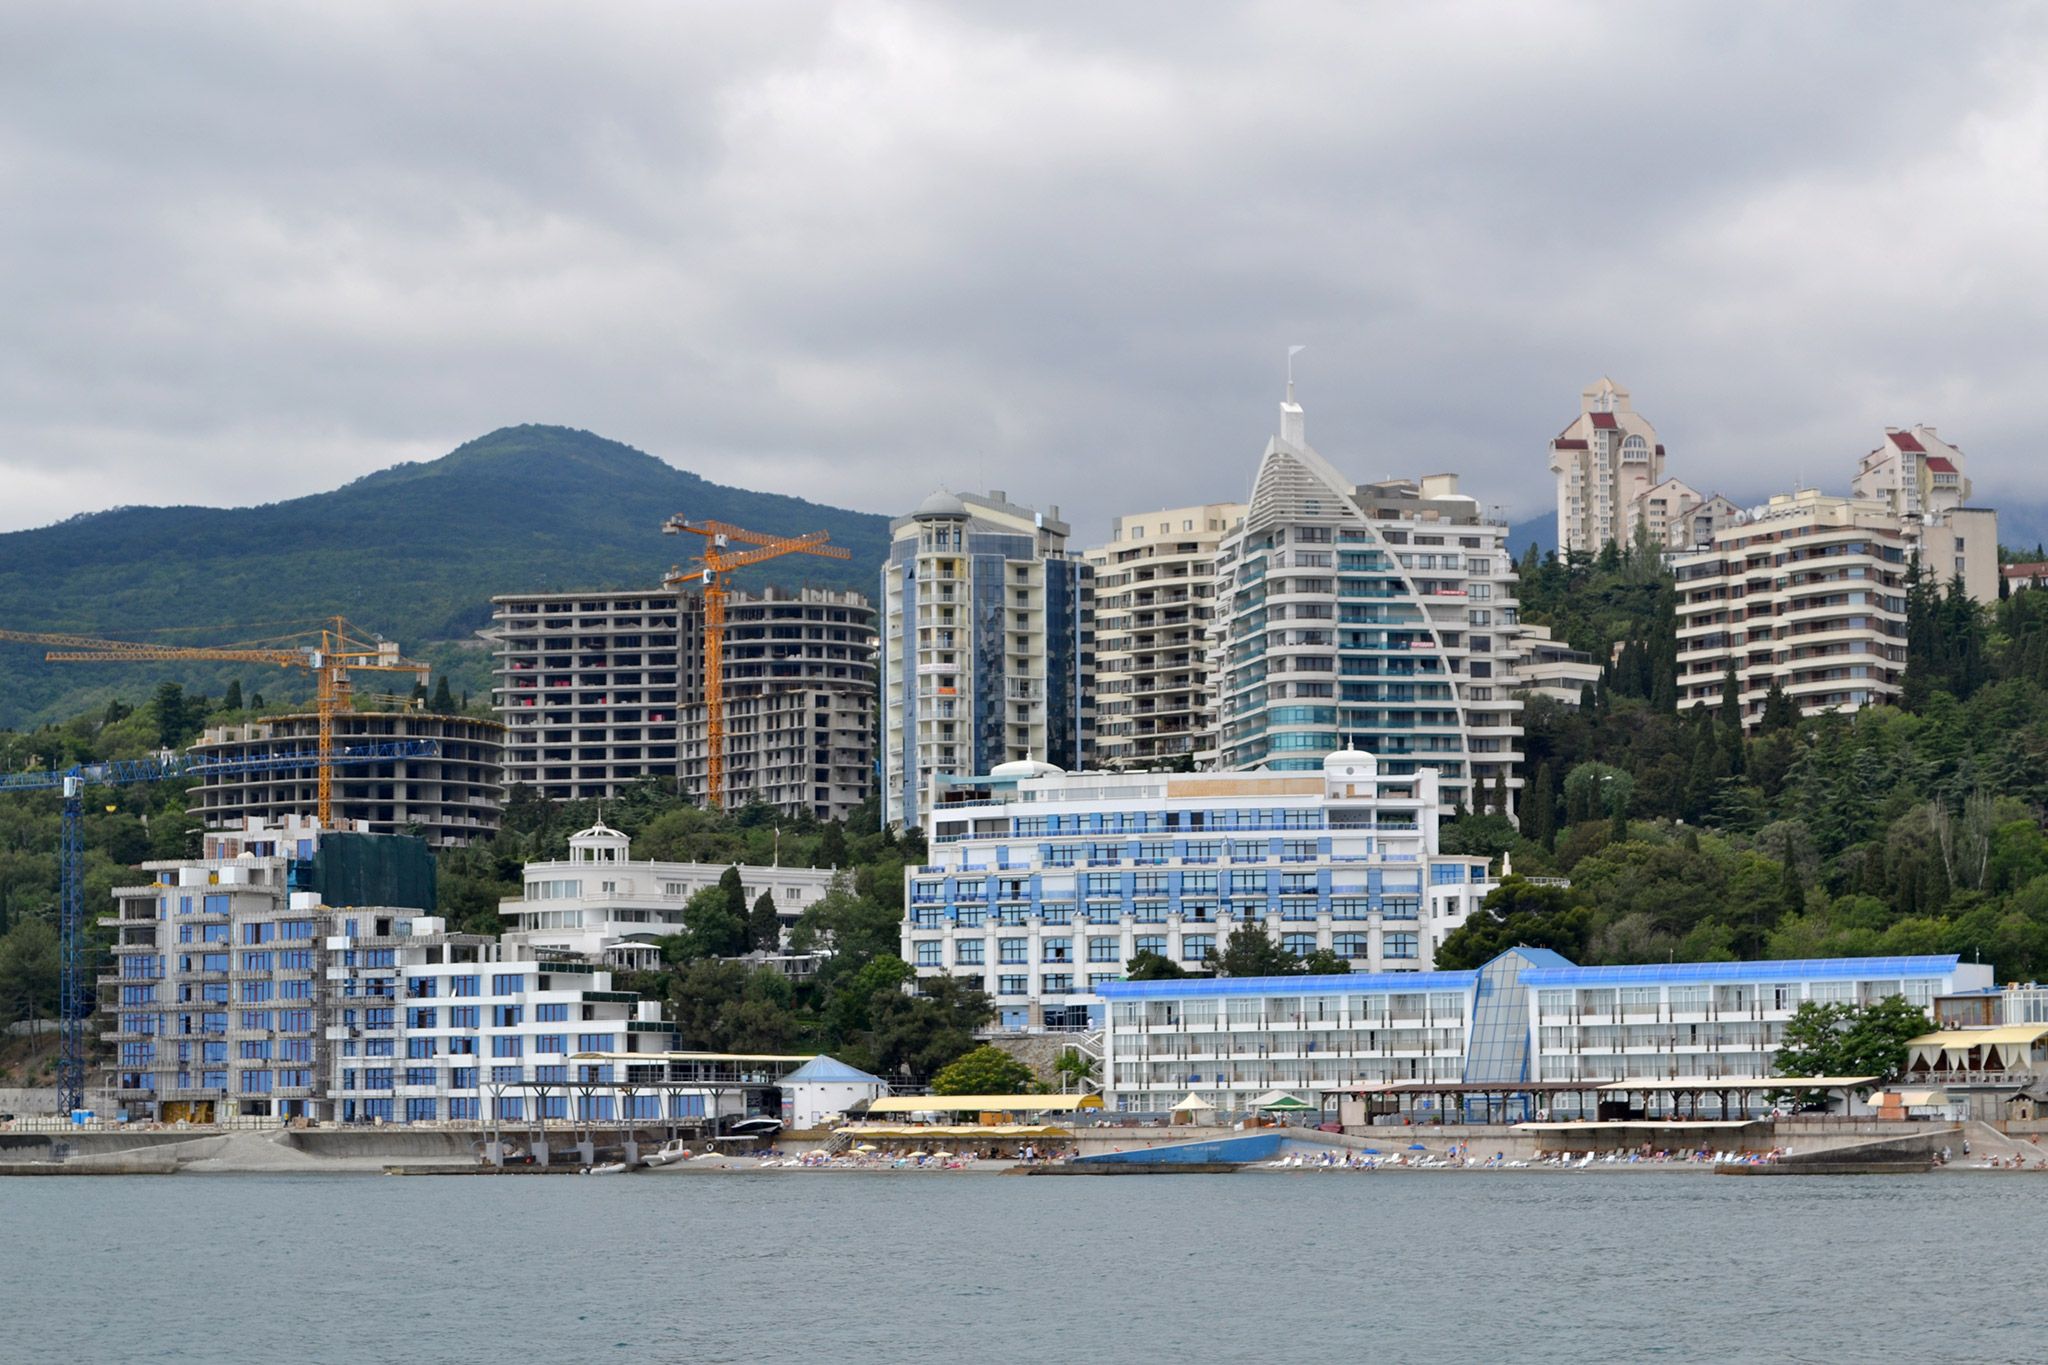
{"x":1660,"y":447}
{"x":2025,"y":570}
{"x":1940,"y":464}
{"x":1568,"y":445}
{"x":1905,"y":440}
{"x":1605,"y":421}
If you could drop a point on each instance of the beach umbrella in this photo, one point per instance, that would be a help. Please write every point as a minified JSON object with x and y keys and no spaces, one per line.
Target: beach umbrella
{"x":867,"y":1147}
{"x":1417,"y":1147}
{"x":1371,"y":1151}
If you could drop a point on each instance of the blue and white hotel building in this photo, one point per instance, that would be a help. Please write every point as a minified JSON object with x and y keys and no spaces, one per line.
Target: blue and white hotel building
{"x":1528,"y":1016}
{"x":1044,"y":884}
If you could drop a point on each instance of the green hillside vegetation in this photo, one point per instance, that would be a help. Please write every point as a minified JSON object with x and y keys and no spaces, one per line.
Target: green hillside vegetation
{"x":414,"y":553}
{"x":1911,"y":829}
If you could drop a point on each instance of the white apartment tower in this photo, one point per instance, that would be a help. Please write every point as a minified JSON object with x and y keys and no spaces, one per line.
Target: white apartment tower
{"x":1604,"y":461}
{"x":1155,"y":605}
{"x":1378,"y":617}
{"x":988,"y":651}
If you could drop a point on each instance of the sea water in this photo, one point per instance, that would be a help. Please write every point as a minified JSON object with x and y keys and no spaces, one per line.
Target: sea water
{"x":826,"y":1267}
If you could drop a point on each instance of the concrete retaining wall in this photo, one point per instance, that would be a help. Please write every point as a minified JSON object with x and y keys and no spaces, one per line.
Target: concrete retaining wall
{"x":27,"y":1102}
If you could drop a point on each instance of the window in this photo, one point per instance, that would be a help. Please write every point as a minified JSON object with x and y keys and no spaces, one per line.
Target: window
{"x":1013,"y":985}
{"x":295,"y":1021}
{"x":462,"y":1078}
{"x":1058,"y":983}
{"x":421,"y":987}
{"x":256,"y":962}
{"x":1058,"y":950}
{"x":968,"y":951}
{"x":419,"y":1048}
{"x":1103,"y":949}
{"x":1013,"y":950}
{"x":506,"y":1046}
{"x":1402,"y":945}
{"x":551,"y":1042}
{"x":503,"y":983}
{"x":930,"y":953}
{"x":1193,"y":947}
{"x":256,"y":1081}
{"x":382,"y":1020}
{"x":377,"y":1078}
{"x":419,"y":1075}
{"x":256,"y":1020}
{"x":550,"y":1014}
{"x":465,"y":985}
{"x":1301,"y":945}
{"x":255,"y":1050}
{"x":421,"y":1018}
{"x":421,"y":1111}
{"x":593,"y":1042}
{"x":215,"y":905}
{"x":506,"y":1016}
{"x":1357,"y":947}
{"x":1151,"y":943}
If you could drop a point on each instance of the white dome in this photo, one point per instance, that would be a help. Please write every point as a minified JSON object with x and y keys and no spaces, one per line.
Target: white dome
{"x":941,"y":504}
{"x":1026,"y":767}
{"x":1351,"y":763}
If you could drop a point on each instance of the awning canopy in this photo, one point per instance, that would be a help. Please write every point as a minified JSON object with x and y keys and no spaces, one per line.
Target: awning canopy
{"x":923,"y":1131}
{"x":982,"y":1104}
{"x":1711,"y":1083}
{"x":1193,"y":1101}
{"x":1280,"y":1099}
{"x":1981,"y":1037}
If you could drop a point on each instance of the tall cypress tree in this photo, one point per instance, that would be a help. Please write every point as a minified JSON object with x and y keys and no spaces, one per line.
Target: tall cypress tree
{"x":1539,"y":810}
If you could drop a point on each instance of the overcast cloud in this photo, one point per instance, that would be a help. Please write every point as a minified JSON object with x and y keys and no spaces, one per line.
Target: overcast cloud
{"x":857,"y":250}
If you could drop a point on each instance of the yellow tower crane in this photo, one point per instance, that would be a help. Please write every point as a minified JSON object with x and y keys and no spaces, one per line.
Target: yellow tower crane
{"x":340,"y":651}
{"x":719,"y":559}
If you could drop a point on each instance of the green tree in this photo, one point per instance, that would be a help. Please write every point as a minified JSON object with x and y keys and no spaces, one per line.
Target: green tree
{"x":764,"y":926}
{"x":1518,"y":912}
{"x":1323,"y":962}
{"x":443,"y":703}
{"x":921,"y":1035}
{"x":231,"y":700}
{"x":1151,"y":966}
{"x":28,"y":971}
{"x":711,"y":927}
{"x":988,"y":1070}
{"x":1249,"y":952}
{"x":1076,"y":1069}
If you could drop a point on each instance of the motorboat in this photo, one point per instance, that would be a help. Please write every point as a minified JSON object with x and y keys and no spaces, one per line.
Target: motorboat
{"x":672,"y":1151}
{"x":608,"y":1168}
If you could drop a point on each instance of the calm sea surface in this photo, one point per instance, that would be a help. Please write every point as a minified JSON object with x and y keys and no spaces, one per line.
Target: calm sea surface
{"x":851,"y":1267}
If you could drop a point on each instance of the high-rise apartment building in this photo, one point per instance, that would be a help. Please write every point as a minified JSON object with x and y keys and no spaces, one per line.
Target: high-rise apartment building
{"x":1378,"y":617}
{"x":599,"y":691}
{"x":1809,"y":593}
{"x":988,"y":651}
{"x":1155,"y":605}
{"x":1605,"y":460}
{"x":1924,"y":482}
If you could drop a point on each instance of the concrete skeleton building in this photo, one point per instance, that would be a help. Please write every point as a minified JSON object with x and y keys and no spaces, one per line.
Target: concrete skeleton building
{"x":451,"y":799}
{"x":1155,"y":607}
{"x":1528,"y":1016}
{"x":988,"y":650}
{"x":599,"y":691}
{"x":799,"y":703}
{"x":601,"y":904}
{"x":1380,"y":617}
{"x":1044,"y":884}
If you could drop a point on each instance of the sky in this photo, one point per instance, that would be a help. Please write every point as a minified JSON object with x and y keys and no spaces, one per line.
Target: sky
{"x":856,"y":251}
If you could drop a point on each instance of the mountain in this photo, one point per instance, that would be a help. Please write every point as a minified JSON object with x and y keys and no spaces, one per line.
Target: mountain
{"x":414,"y":552}
{"x":1541,"y":530}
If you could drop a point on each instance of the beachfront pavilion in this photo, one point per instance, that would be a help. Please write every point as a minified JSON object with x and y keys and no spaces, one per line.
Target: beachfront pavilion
{"x":598,"y":1092}
{"x":1993,"y":1070}
{"x":998,"y":1124}
{"x":1525,"y":1031}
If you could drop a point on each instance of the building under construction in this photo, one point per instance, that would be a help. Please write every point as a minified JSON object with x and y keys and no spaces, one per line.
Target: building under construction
{"x":598,"y":691}
{"x":449,"y":799}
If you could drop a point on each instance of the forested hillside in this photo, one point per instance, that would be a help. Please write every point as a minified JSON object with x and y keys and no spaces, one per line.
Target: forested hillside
{"x":1896,"y":830}
{"x":414,"y":552}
